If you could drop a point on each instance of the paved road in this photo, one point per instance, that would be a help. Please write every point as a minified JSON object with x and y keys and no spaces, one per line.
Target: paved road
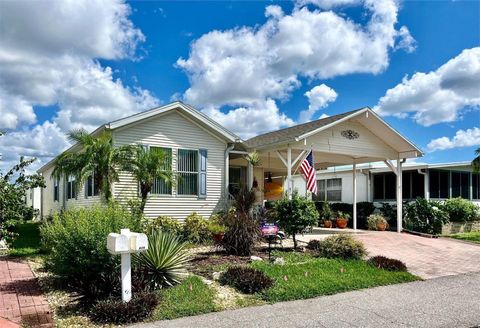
{"x":452,"y":301}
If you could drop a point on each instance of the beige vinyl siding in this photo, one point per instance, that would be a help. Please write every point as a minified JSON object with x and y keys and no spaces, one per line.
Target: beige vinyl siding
{"x":49,"y":206}
{"x":174,"y":130}
{"x":366,"y":145}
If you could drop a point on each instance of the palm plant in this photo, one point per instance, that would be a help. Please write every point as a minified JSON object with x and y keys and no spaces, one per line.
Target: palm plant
{"x":97,"y":154}
{"x":164,"y":263}
{"x":476,"y":161}
{"x":147,"y":166}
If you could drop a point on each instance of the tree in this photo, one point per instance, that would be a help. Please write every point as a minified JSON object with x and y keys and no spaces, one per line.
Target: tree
{"x":13,"y":186}
{"x":96,"y":154}
{"x":476,"y":161}
{"x":147,"y":166}
{"x":295,"y":215}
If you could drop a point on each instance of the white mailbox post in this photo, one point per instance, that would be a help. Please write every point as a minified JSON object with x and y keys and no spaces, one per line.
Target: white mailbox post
{"x":125,"y":243}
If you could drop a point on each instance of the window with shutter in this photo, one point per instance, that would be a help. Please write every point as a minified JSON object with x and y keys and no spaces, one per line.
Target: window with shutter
{"x":187,"y":172}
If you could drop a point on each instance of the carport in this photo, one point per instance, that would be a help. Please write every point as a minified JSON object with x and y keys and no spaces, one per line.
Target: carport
{"x":351,"y":138}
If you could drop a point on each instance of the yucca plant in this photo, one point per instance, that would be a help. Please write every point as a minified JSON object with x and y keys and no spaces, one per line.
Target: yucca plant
{"x":163,"y":264}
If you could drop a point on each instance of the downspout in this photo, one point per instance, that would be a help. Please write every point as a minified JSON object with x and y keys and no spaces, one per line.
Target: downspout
{"x":426,"y":192}
{"x":227,"y":159}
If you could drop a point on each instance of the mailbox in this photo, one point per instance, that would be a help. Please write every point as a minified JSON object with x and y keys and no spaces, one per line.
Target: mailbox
{"x":117,"y":243}
{"x":138,"y":242}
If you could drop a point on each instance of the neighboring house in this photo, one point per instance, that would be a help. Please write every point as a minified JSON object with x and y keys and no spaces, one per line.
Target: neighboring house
{"x":210,"y":165}
{"x":376,"y":183}
{"x":33,"y":199}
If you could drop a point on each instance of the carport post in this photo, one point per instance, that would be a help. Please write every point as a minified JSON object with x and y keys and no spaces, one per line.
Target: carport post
{"x":289,"y":172}
{"x":354,"y":176}
{"x":399,"y":195}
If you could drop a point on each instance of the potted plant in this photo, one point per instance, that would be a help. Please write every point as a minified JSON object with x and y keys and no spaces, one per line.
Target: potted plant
{"x":327,"y":215}
{"x":342,"y":220}
{"x":377,"y":222}
{"x":217,"y":231}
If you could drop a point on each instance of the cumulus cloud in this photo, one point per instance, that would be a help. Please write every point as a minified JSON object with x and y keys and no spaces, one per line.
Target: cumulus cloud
{"x":49,"y":57}
{"x":328,"y":4}
{"x":247,"y":65}
{"x":437,"y":96}
{"x":318,"y":97}
{"x":247,"y":121}
{"x":462,"y":138}
{"x":42,"y":142}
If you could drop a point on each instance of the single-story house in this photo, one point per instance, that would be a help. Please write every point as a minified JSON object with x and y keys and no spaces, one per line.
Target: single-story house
{"x":211,"y":160}
{"x":376,"y":183}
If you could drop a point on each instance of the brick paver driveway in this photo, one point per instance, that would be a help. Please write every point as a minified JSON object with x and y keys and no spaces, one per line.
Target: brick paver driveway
{"x":21,"y":300}
{"x":425,"y":257}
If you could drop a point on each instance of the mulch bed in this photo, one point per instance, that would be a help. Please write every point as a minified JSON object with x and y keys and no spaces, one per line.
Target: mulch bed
{"x":205,"y":264}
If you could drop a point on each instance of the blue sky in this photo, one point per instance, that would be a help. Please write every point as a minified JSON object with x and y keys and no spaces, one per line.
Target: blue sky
{"x":142,"y":43}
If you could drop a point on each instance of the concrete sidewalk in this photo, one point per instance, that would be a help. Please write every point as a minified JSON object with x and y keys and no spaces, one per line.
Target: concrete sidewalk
{"x":452,"y":301}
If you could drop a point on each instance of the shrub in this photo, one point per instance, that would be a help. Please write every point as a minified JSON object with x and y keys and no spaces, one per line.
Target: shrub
{"x":425,"y":216}
{"x":326,"y":213}
{"x":374,"y":220}
{"x":216,"y":228}
{"x":364,"y":210}
{"x":341,"y":246}
{"x":163,"y":264}
{"x":243,"y":229}
{"x":385,"y":263}
{"x":114,"y":310}
{"x":295,"y":215}
{"x":195,"y":229}
{"x":389,"y":212}
{"x":162,"y":222}
{"x":461,"y":210}
{"x":247,"y":280}
{"x":76,"y":244}
{"x":313,"y":245}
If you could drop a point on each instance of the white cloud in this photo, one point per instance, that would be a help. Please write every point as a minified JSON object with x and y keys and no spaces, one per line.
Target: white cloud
{"x":328,"y":4}
{"x":437,"y":96}
{"x":49,"y":57}
{"x":462,"y":138}
{"x":247,"y":65}
{"x":318,"y":97}
{"x":248,"y":121}
{"x":43,"y":142}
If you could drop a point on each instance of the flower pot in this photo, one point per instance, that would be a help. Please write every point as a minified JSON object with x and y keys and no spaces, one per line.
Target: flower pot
{"x":218,"y":237}
{"x":341,"y":223}
{"x":327,"y":224}
{"x":381,"y":226}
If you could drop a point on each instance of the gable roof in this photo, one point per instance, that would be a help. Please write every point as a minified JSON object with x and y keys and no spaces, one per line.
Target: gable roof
{"x":203,"y":119}
{"x":296,"y":131}
{"x":189,"y":110}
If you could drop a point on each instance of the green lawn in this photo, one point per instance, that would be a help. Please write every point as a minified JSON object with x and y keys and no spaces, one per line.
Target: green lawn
{"x":181,"y":301}
{"x":27,"y":242}
{"x":304,"y":276}
{"x":468,"y":236}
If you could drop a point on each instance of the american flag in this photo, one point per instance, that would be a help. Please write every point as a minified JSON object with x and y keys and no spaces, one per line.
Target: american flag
{"x":308,"y":170}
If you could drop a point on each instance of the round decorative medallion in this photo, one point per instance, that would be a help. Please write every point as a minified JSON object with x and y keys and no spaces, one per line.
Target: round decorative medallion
{"x":350,"y":134}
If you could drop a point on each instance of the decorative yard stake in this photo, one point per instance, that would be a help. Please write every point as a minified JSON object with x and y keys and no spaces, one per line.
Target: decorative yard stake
{"x":125,"y":244}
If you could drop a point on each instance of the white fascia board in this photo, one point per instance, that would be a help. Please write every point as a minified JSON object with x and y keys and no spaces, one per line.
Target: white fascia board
{"x":343,"y":119}
{"x":186,"y":108}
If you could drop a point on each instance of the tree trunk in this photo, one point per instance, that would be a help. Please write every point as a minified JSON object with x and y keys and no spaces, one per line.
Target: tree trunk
{"x":144,"y":191}
{"x":294,"y":241}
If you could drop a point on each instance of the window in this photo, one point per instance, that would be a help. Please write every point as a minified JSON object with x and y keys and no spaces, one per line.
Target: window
{"x":162,"y":186}
{"x":329,"y":190}
{"x":384,"y":186}
{"x":475,"y":185}
{"x":237,"y":178}
{"x":439,"y":184}
{"x":460,"y":184}
{"x":187,"y":169}
{"x":71,"y":188}
{"x":91,"y":186}
{"x":56,"y":189}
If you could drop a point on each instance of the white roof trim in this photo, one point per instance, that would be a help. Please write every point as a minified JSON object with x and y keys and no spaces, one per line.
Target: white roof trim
{"x":177,"y":104}
{"x":357,"y":113}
